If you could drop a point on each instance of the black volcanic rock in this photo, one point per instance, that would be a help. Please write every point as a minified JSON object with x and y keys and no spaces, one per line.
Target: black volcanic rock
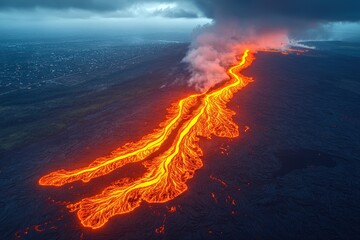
{"x":302,"y":158}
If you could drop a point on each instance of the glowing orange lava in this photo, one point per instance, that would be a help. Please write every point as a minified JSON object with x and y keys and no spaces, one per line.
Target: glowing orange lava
{"x":199,"y":115}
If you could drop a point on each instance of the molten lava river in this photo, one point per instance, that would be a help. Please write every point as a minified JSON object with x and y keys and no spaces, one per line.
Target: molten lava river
{"x":198,"y":115}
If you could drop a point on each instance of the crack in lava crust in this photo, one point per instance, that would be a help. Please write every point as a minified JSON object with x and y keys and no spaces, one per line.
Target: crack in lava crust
{"x":199,"y":115}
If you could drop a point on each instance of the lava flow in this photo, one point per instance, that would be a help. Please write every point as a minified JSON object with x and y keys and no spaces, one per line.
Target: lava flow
{"x":199,"y":115}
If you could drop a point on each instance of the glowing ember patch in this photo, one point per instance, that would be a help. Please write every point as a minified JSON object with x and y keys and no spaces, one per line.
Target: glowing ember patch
{"x":219,"y":180}
{"x":161,"y":229}
{"x":39,"y":228}
{"x":214,"y":197}
{"x":199,"y":115}
{"x":171,"y":209}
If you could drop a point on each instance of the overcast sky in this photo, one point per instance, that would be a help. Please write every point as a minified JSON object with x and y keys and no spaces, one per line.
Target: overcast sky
{"x":310,"y":18}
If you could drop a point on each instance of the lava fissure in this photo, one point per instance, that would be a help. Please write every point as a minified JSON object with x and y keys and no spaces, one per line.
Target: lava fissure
{"x":171,"y":154}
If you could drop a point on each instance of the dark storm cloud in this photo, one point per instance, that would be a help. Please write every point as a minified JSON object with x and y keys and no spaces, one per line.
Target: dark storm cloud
{"x":93,"y":5}
{"x":175,"y":13}
{"x":309,"y":10}
{"x":315,"y":10}
{"x":63,"y":4}
{"x":105,"y":6}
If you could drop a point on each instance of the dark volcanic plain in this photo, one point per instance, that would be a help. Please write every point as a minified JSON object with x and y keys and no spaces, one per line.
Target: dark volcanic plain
{"x":294,"y":175}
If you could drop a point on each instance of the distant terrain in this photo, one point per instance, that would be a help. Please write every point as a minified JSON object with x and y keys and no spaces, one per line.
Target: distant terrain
{"x":45,"y":87}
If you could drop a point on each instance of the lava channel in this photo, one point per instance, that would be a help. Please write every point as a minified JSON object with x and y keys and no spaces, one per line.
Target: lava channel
{"x":198,"y":115}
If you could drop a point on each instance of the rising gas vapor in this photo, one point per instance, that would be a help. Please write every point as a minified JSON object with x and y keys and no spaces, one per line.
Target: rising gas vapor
{"x":215,"y":48}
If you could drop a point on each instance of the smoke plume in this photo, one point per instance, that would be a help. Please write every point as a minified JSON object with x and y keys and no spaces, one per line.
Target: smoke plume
{"x":216,"y":47}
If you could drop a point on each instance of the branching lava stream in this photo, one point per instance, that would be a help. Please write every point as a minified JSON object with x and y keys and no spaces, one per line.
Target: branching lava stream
{"x":199,"y":115}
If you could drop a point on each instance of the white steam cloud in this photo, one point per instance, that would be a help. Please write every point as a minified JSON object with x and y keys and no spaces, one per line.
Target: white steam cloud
{"x":216,"y":47}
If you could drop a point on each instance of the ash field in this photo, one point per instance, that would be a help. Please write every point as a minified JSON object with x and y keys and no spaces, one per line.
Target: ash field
{"x":295,"y":173}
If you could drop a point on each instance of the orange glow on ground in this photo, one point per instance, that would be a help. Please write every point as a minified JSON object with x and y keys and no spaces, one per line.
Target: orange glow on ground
{"x":198,"y":115}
